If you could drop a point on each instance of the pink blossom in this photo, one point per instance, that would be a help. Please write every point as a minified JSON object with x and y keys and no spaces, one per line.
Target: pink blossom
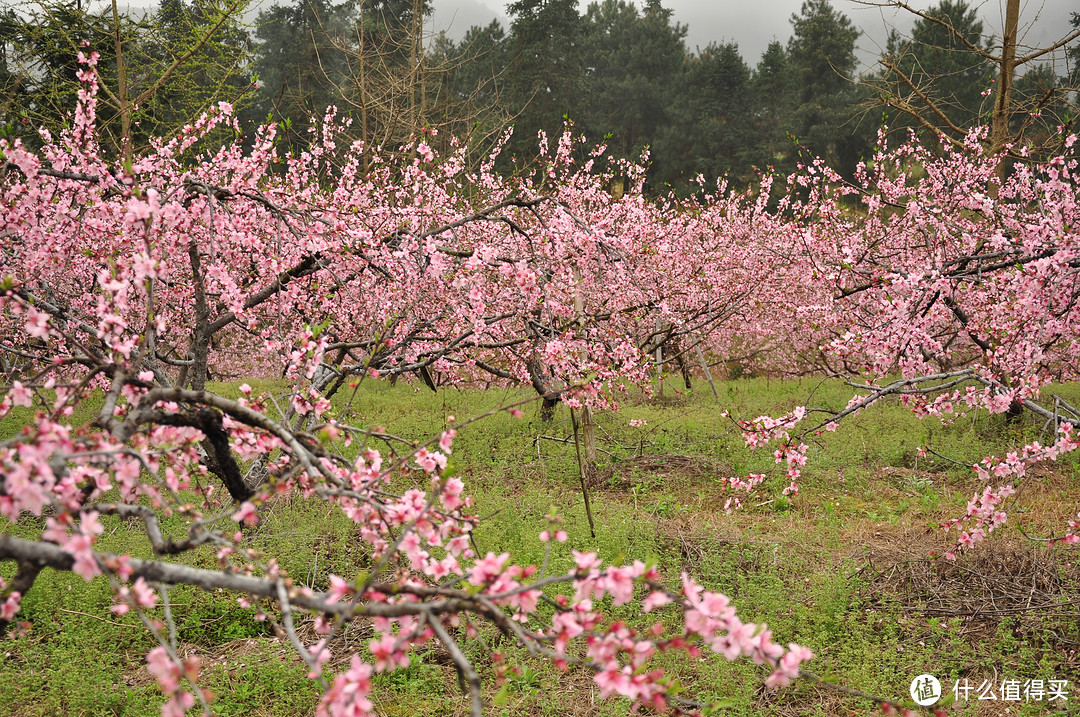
{"x":143,"y":595}
{"x":614,"y":681}
{"x":164,"y":669}
{"x":486,"y":570}
{"x":388,"y":654}
{"x":21,"y":395}
{"x":80,"y":546}
{"x":320,"y":655}
{"x":179,"y":705}
{"x":247,"y":514}
{"x":585,"y":561}
{"x":138,"y":210}
{"x":446,"y":440}
{"x":348,"y":696}
{"x":37,"y":323}
{"x":620,"y":583}
{"x":656,"y":599}
{"x":10,"y":606}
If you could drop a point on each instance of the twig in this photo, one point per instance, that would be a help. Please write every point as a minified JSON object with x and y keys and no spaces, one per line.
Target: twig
{"x":99,"y":619}
{"x":463,"y":665}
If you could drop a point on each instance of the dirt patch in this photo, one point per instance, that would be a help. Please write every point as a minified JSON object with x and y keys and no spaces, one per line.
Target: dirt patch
{"x":658,"y":468}
{"x":810,"y":698}
{"x":692,"y":547}
{"x":576,"y":695}
{"x":692,"y":542}
{"x":883,"y":544}
{"x":231,"y":656}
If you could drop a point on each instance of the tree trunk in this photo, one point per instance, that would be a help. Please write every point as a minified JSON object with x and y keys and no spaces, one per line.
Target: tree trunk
{"x":683,"y":369}
{"x":550,"y":398}
{"x":126,"y":149}
{"x":588,"y":429}
{"x":547,"y":409}
{"x":588,"y":439}
{"x":659,"y":358}
{"x":200,"y":341}
{"x":583,"y":474}
{"x":999,"y":130}
{"x":1015,"y":412}
{"x":705,"y":368}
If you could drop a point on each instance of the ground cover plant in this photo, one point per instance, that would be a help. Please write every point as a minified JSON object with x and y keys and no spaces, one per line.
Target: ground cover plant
{"x":304,"y":285}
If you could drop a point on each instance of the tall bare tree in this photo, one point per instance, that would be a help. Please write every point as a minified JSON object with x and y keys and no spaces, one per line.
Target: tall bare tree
{"x":917,"y":97}
{"x":142,"y":59}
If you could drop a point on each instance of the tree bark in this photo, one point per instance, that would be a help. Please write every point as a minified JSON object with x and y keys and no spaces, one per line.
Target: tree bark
{"x":549,"y":398}
{"x":659,"y":359}
{"x":588,"y":429}
{"x":705,"y":368}
{"x":126,"y":149}
{"x":588,"y":439}
{"x":999,"y":129}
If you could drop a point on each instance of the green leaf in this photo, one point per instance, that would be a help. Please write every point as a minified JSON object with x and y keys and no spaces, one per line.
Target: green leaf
{"x":715,"y":707}
{"x":316,"y":330}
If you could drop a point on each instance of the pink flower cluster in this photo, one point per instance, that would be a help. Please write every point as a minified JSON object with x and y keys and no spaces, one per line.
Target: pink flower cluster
{"x":348,"y":696}
{"x":763,"y":430}
{"x":169,"y":675}
{"x":10,"y":606}
{"x":985,"y":512}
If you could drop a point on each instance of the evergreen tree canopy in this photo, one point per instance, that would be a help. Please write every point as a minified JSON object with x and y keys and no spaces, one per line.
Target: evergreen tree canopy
{"x":634,"y":66}
{"x":723,"y":127}
{"x":772,"y":99}
{"x":546,"y":76}
{"x":821,"y":53}
{"x":301,"y":61}
{"x":177,"y":61}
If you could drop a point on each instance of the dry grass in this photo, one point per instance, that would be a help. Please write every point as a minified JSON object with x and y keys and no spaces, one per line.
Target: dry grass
{"x":997,"y":580}
{"x":673,"y":468}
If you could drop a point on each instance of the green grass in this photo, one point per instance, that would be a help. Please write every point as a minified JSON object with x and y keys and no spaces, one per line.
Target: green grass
{"x":815,"y":569}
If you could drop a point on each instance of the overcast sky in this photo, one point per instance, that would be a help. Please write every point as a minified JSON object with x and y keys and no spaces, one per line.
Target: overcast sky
{"x":753,"y":24}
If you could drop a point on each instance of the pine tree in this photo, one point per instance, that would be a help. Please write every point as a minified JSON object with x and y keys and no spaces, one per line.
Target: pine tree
{"x":821,"y":51}
{"x":772,"y":100}
{"x":634,"y":62}
{"x":546,"y":76}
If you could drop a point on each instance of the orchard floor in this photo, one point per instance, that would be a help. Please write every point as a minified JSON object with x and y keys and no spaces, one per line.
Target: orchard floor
{"x":845,"y":568}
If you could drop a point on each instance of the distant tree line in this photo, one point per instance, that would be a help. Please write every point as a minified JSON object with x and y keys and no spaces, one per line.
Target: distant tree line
{"x":622,"y":73}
